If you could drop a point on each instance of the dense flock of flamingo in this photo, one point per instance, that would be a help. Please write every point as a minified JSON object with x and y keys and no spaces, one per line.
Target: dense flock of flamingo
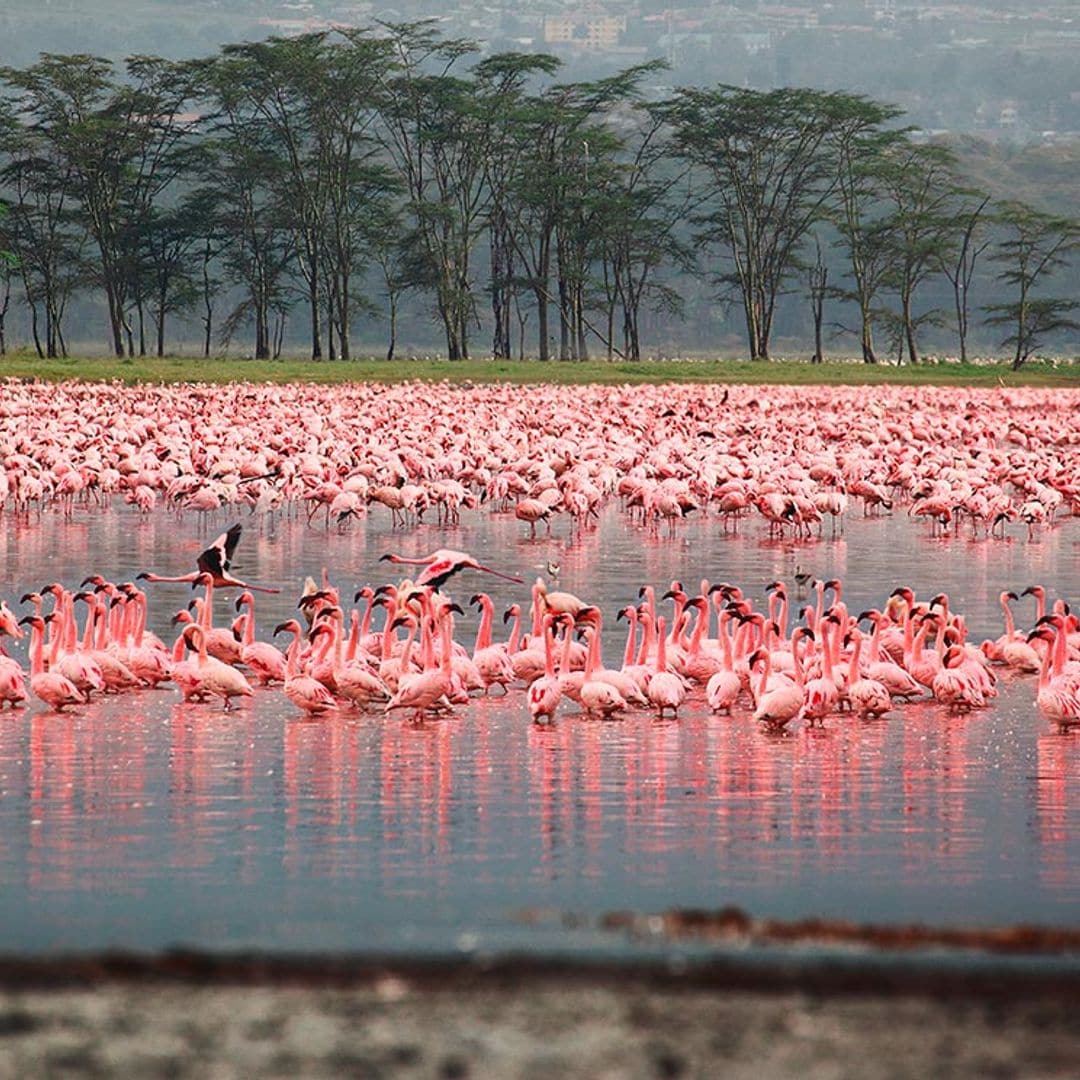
{"x":824,"y":666}
{"x":794,"y":456}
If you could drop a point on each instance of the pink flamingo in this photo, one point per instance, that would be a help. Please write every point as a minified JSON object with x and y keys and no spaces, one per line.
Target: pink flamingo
{"x":215,"y":677}
{"x":215,"y":561}
{"x":597,"y":695}
{"x":491,"y":660}
{"x":302,"y":690}
{"x":544,"y":692}
{"x":56,"y":690}
{"x":431,"y":687}
{"x":666,"y":690}
{"x":1058,"y":695}
{"x":260,"y":657}
{"x":953,"y":686}
{"x":868,"y":697}
{"x":781,"y":701}
{"x":441,"y":565}
{"x":723,"y":688}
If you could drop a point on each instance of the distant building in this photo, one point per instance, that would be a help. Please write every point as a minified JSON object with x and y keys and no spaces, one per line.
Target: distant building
{"x":589,"y":31}
{"x":779,"y":17}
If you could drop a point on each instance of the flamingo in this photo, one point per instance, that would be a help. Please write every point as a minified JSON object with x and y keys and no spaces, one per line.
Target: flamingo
{"x":596,"y":695}
{"x":666,"y":690}
{"x":778,"y":702}
{"x":431,"y":687}
{"x":1058,"y":695}
{"x":261,"y":658}
{"x":56,"y":690}
{"x":491,"y":660}
{"x":723,"y":688}
{"x":441,"y":565}
{"x":302,"y":690}
{"x":544,"y":692}
{"x":954,"y":686}
{"x":215,"y":561}
{"x":868,"y":697}
{"x":215,"y":677}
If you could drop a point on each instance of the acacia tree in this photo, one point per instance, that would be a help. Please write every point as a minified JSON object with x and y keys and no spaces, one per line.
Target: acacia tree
{"x":646,"y":200}
{"x":768,"y":162}
{"x":245,"y":174}
{"x":918,"y":186}
{"x":958,"y":264}
{"x":500,"y":84}
{"x":437,"y":140}
{"x":1034,"y":245}
{"x":42,"y":233}
{"x":162,"y":150}
{"x":857,"y":213}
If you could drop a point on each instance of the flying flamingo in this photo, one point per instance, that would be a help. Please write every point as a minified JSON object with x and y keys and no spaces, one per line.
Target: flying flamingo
{"x":215,"y":561}
{"x":441,"y":565}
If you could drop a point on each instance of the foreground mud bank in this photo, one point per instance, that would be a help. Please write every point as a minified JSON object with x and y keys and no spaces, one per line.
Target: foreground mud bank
{"x":185,"y":1015}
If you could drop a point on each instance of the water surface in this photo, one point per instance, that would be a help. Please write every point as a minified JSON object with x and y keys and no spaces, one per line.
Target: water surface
{"x":141,"y":822}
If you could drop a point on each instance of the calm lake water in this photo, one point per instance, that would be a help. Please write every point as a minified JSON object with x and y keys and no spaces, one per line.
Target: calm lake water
{"x":144,"y":823}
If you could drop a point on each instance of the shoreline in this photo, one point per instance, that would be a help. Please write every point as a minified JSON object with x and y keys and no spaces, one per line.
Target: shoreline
{"x":1059,"y":372}
{"x":190,"y":1014}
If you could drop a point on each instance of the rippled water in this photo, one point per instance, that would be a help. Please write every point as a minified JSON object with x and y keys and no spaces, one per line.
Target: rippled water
{"x":143,"y":823}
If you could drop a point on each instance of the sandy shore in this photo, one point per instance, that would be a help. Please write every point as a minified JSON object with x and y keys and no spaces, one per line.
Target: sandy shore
{"x":183,"y":1020}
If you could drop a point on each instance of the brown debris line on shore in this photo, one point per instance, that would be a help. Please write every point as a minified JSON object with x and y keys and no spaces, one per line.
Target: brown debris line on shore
{"x":732,"y":924}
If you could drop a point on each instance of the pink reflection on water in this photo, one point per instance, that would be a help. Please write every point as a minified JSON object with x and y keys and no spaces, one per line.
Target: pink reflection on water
{"x":705,"y":810}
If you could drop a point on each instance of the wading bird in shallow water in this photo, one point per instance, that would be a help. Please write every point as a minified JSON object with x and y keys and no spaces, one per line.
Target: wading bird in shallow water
{"x":441,"y":565}
{"x":215,"y":561}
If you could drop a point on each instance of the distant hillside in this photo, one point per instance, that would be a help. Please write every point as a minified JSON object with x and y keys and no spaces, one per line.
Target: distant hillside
{"x":1044,"y":176}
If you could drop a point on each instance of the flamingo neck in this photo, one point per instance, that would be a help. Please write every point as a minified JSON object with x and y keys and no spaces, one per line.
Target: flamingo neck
{"x":292,"y":658}
{"x":549,"y":651}
{"x":1010,"y":625}
{"x":515,"y":633}
{"x":447,"y":638}
{"x":37,"y":658}
{"x":765,"y":670}
{"x":483,"y":633}
{"x":88,"y":629}
{"x":853,"y":670}
{"x":366,"y":625}
{"x":1059,"y":650}
{"x":564,"y":661}
{"x":354,"y":635}
{"x":631,"y":638}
